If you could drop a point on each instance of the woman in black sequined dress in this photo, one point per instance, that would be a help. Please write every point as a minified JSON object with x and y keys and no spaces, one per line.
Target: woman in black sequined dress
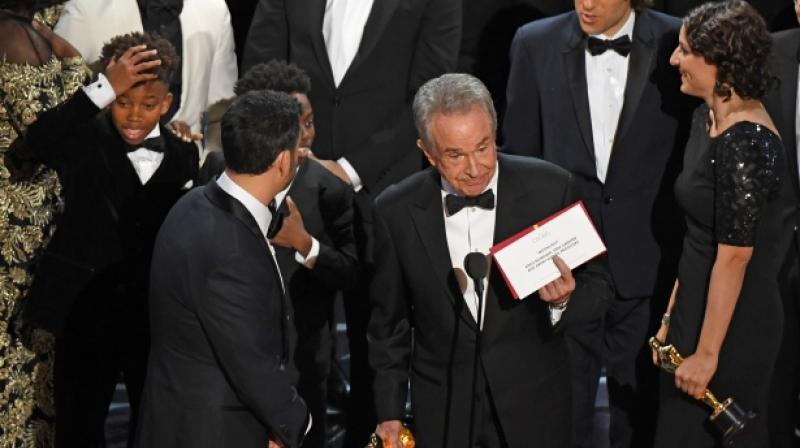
{"x":725,"y":310}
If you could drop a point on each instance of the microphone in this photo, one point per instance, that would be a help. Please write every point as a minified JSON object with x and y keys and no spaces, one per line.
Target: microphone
{"x":476,"y":266}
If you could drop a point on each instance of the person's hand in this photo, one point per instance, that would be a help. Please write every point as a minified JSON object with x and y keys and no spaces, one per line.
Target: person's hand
{"x":661,"y":336}
{"x":293,"y":232}
{"x":61,"y":48}
{"x":275,"y":443}
{"x":389,"y":432}
{"x":695,"y":372}
{"x":127,"y":70}
{"x":559,"y":290}
{"x":305,"y":153}
{"x":182,"y":130}
{"x":330,"y":165}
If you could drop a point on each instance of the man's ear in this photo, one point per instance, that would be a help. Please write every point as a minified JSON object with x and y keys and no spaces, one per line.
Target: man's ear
{"x":427,"y":151}
{"x":284,"y":161}
{"x":166,"y":102}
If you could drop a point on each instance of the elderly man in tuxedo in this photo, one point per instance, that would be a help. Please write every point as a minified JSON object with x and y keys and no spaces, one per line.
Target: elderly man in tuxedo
{"x":468,"y":200}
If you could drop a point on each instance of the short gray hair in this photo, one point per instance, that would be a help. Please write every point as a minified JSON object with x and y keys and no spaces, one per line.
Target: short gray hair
{"x":447,"y":94}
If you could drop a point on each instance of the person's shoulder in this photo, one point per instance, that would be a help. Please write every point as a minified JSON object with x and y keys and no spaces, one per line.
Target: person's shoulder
{"x":532,"y":168}
{"x":787,"y":42}
{"x":177,"y":146}
{"x":660,"y":22}
{"x":404,"y":192}
{"x":542,"y":31}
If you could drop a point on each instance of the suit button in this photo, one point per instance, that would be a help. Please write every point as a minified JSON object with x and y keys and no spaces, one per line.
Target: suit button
{"x":337,"y":100}
{"x":608,"y":199}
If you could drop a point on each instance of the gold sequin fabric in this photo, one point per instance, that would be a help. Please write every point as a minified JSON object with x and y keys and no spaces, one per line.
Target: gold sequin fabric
{"x":28,"y":207}
{"x":49,"y":16}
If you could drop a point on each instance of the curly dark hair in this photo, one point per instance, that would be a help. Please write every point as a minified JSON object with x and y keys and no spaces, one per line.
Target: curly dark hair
{"x":732,"y":36}
{"x":166,"y":52}
{"x":276,"y":75}
{"x":257,"y":127}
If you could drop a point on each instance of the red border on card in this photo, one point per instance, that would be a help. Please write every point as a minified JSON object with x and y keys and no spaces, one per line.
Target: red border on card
{"x":506,"y":242}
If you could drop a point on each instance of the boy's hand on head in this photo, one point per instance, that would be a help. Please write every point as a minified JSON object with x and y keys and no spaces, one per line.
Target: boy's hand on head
{"x":61,"y":48}
{"x":128,"y":70}
{"x":182,"y":130}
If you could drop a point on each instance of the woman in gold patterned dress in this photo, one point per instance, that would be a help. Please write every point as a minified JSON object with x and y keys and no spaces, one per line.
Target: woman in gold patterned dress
{"x":37,"y":72}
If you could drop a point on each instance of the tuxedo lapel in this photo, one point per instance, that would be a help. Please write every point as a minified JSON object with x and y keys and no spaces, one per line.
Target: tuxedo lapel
{"x":315,"y":9}
{"x":575,"y":65}
{"x":640,"y":65}
{"x":428,"y":216}
{"x":229,"y":204}
{"x":382,"y":11}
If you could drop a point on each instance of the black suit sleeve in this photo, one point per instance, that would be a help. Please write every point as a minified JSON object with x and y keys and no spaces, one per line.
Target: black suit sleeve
{"x":389,"y":330}
{"x":337,"y":265}
{"x":268,"y":37}
{"x":46,"y":137}
{"x":594,"y":289}
{"x":436,"y":53}
{"x":522,"y":121}
{"x":242,"y":328}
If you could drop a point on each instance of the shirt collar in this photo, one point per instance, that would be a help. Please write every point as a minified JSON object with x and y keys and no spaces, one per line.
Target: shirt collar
{"x":259,"y":211}
{"x":626,"y":30}
{"x":155,"y":133}
{"x":449,"y":189}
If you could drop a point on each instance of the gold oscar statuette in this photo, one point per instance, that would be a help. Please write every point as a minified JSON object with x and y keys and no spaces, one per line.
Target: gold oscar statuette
{"x":406,"y":440}
{"x":727,"y":416}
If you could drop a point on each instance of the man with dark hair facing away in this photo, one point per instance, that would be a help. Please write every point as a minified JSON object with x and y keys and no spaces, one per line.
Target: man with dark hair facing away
{"x":221,"y":322}
{"x":316,"y":248}
{"x":121,"y":173}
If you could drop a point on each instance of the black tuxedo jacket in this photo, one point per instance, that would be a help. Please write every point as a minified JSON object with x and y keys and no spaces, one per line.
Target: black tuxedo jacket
{"x":367,"y":119}
{"x":523,"y":355}
{"x":216,"y":375}
{"x":782,"y":107}
{"x":110,"y":218}
{"x":548,"y":117}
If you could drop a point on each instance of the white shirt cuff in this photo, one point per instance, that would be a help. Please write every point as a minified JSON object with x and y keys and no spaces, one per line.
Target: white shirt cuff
{"x":311,"y":259}
{"x":355,"y":179}
{"x":100,"y":92}
{"x":556,"y":313}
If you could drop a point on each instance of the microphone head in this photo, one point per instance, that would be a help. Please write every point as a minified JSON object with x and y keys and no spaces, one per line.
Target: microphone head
{"x":476,"y":265}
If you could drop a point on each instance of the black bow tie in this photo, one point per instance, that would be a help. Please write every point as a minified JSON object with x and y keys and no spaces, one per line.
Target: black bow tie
{"x":277,"y":218}
{"x":621,"y":45}
{"x":454,"y":203}
{"x":153,"y":144}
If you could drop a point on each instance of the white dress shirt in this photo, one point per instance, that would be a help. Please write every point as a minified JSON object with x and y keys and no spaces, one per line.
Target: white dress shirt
{"x":606,"y":76}
{"x":145,"y":161}
{"x":470,"y":230}
{"x":342,"y":28}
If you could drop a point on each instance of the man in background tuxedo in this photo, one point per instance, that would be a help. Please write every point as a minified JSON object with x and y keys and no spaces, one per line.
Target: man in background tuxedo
{"x":517,"y":396}
{"x":221,"y":325}
{"x":592,"y":91}
{"x":365,"y":58}
{"x":782,"y":104}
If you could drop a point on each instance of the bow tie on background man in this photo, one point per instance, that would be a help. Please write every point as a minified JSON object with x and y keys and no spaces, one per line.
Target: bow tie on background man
{"x":278,"y":215}
{"x":621,"y":45}
{"x":155,"y":144}
{"x":454,"y":203}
